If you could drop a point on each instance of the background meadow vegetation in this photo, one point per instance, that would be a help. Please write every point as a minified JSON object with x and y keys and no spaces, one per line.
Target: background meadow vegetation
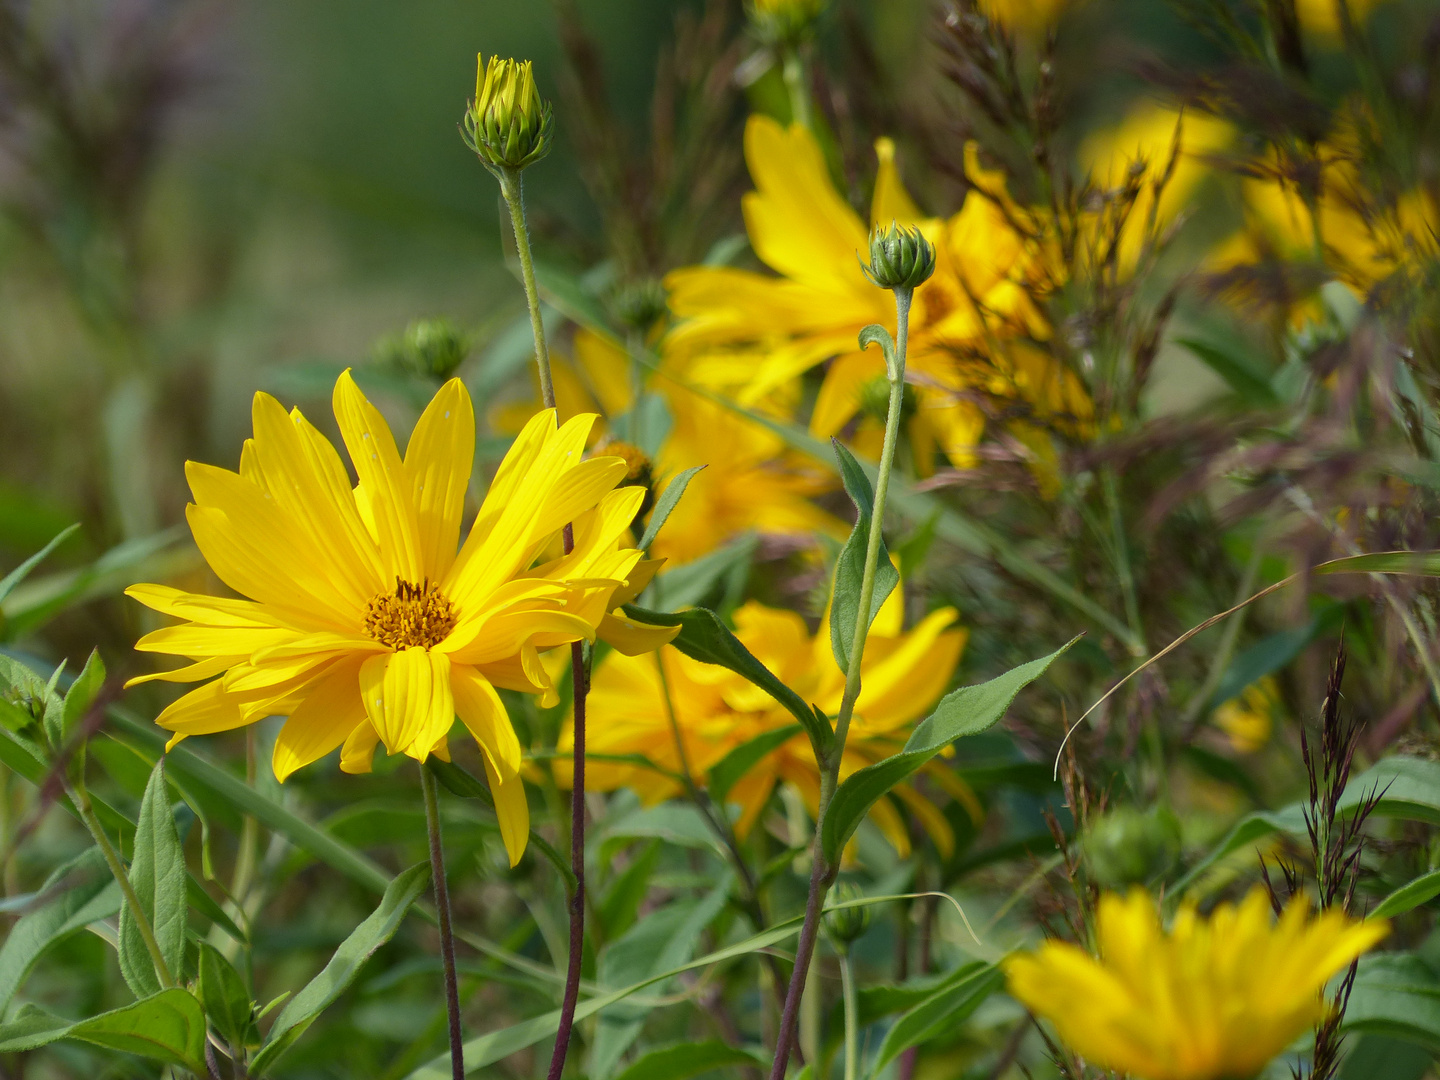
{"x":1193,"y":351}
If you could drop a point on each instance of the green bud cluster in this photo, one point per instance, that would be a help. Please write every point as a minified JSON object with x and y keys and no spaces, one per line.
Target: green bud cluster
{"x":846,"y":925}
{"x":783,"y":23}
{"x":508,"y":125}
{"x":900,"y":258}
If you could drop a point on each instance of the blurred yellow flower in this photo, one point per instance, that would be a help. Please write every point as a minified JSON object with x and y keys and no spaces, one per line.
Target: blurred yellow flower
{"x":1249,"y":718}
{"x":716,"y":710}
{"x":594,"y":378}
{"x":363,"y":623}
{"x":752,"y":334}
{"x":1029,"y":16}
{"x":1213,"y":999}
{"x":1322,"y":17}
{"x":1140,"y":151}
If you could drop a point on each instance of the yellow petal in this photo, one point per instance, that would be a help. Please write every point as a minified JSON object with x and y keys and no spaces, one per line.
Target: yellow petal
{"x":358,"y":752}
{"x":408,"y":699}
{"x":327,"y":716}
{"x":891,"y":202}
{"x":383,"y":480}
{"x":438,"y":461}
{"x":484,"y":715}
{"x":512,"y":811}
{"x":203,"y":711}
{"x":633,"y":638}
{"x":204,"y":669}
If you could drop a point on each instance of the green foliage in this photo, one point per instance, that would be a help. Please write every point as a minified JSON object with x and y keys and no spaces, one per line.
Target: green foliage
{"x":850,"y":567}
{"x":168,"y":1027}
{"x":158,"y":877}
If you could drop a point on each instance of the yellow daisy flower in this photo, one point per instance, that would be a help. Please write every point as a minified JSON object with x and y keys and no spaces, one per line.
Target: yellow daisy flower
{"x":1213,"y":999}
{"x":362,"y":622}
{"x":752,"y":334}
{"x":1249,"y":718}
{"x":717,"y":710}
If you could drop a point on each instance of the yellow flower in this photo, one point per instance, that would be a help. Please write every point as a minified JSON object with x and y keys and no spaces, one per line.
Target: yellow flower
{"x":752,"y":334}
{"x":363,"y":623}
{"x":717,"y":710}
{"x":1213,"y":999}
{"x":1030,"y":16}
{"x":783,"y":22}
{"x":595,"y":377}
{"x":1249,"y":718}
{"x":1322,"y":17}
{"x":751,"y":483}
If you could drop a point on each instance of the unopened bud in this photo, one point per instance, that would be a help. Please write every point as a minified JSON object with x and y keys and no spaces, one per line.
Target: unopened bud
{"x":900,"y":258}
{"x":508,"y":125}
{"x":783,"y":23}
{"x":640,"y":304}
{"x":431,"y":347}
{"x":1127,"y":846}
{"x":847,"y":924}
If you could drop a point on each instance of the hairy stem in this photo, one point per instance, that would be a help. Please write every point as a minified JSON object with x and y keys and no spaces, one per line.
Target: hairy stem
{"x":822,"y":875}
{"x":442,"y":912}
{"x":513,"y":188}
{"x":81,"y":800}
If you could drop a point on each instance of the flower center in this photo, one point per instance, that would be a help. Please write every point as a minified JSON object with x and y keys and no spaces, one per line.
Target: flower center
{"x":413,"y":616}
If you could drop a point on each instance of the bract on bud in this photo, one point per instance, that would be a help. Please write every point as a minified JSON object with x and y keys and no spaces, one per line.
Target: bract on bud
{"x":783,"y":23}
{"x":508,"y":124}
{"x":900,"y":258}
{"x":847,"y":924}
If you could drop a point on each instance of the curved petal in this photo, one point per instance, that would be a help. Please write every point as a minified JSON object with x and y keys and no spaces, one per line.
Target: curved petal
{"x":511,"y":810}
{"x":327,"y":716}
{"x":203,"y":711}
{"x":483,"y":714}
{"x":891,"y":202}
{"x":408,"y":699}
{"x":357,"y":755}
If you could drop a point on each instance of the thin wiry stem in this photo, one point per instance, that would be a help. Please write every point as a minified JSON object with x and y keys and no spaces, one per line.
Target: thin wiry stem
{"x":512,"y":186}
{"x":822,"y":875}
{"x":442,"y":912}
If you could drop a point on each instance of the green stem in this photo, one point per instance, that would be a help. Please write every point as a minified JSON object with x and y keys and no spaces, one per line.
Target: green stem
{"x":429,"y":788}
{"x":852,"y":1015}
{"x":793,"y":68}
{"x":81,"y":801}
{"x":512,"y":186}
{"x":822,"y":876}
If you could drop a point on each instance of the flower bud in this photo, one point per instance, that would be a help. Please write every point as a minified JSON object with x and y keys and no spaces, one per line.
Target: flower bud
{"x":508,"y":124}
{"x":846,"y":925}
{"x":783,"y":23}
{"x":640,"y":304}
{"x":428,"y":347}
{"x":900,"y":258}
{"x":1128,"y":846}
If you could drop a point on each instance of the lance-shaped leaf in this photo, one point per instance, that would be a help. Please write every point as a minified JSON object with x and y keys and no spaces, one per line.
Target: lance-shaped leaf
{"x":705,"y":638}
{"x":850,"y":567}
{"x":967,"y":711}
{"x":940,"y":1012}
{"x":159,"y":878}
{"x":168,"y":1026}
{"x":78,"y":699}
{"x":666,"y":504}
{"x":320,"y":993}
{"x":726,"y":772}
{"x":222,"y":992}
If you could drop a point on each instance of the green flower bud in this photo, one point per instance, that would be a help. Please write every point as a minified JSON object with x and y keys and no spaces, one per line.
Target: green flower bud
{"x":846,"y":925}
{"x":900,"y":258}
{"x":783,"y":23}
{"x":508,"y":125}
{"x":429,"y":347}
{"x":1128,"y":846}
{"x":640,"y":304}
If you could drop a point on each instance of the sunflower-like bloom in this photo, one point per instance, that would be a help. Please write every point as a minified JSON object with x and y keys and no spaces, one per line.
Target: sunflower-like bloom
{"x":1213,"y":999}
{"x":752,"y":334}
{"x":363,"y":623}
{"x":1249,"y":718}
{"x":716,"y":710}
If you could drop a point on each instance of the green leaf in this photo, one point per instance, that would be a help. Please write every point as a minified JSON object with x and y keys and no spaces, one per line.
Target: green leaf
{"x":850,"y":567}
{"x":942,"y":1011}
{"x":726,"y":772}
{"x":684,"y":1060}
{"x":621,"y":905}
{"x":168,"y":1026}
{"x":1244,"y":375}
{"x":378,"y":928}
{"x":1426,"y":563}
{"x":21,"y":572}
{"x":222,"y":992}
{"x":688,"y":585}
{"x":666,"y":503}
{"x":80,"y":696}
{"x":1409,"y":789}
{"x":967,"y":711}
{"x":1409,"y":896}
{"x":82,"y":891}
{"x":158,"y":876}
{"x":1396,"y":994}
{"x":705,"y":638}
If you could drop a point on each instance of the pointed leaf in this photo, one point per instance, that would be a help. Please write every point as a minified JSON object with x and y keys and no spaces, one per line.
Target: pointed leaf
{"x":1409,"y":896}
{"x":159,"y":878}
{"x":705,"y":638}
{"x":21,"y":572}
{"x":684,"y":1060}
{"x":168,"y":1027}
{"x":967,"y":711}
{"x":666,"y":503}
{"x":81,"y":695}
{"x":850,"y":567}
{"x":301,"y":1010}
{"x":222,"y":992}
{"x":940,"y":1012}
